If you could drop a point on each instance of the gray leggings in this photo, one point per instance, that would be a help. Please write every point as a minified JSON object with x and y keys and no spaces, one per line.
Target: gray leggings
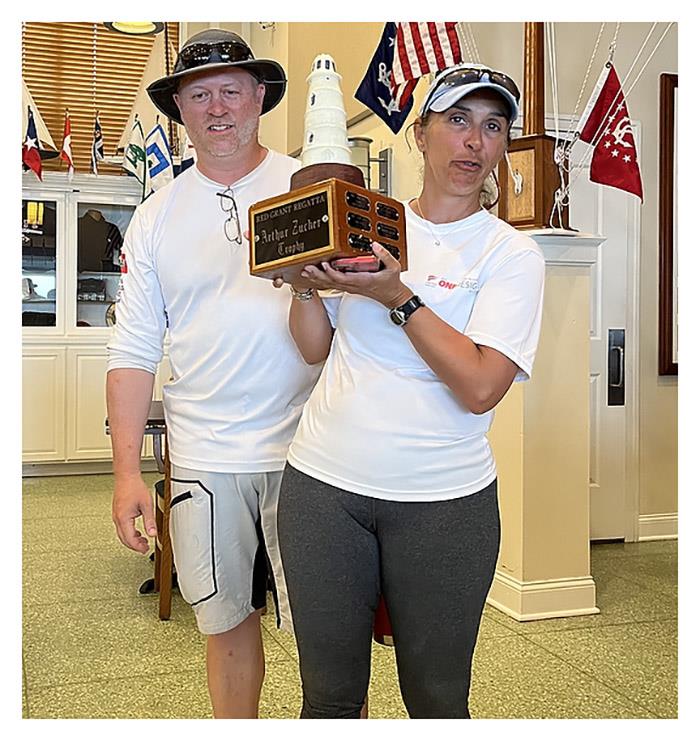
{"x":433,"y":562}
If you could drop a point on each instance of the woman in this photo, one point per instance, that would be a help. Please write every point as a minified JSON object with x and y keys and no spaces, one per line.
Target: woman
{"x":390,"y":485}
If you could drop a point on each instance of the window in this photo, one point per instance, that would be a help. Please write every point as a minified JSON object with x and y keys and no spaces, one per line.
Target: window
{"x":86,"y":68}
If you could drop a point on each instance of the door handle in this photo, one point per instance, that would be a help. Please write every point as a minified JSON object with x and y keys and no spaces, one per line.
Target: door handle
{"x":620,"y":366}
{"x":616,"y":367}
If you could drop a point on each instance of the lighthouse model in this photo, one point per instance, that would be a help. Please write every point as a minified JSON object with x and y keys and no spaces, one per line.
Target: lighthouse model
{"x":325,"y":133}
{"x":325,"y":153}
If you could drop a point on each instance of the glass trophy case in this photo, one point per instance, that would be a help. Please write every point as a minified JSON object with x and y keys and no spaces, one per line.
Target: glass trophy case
{"x":89,"y":244}
{"x":73,"y":232}
{"x":100,"y":235}
{"x":38,"y":263}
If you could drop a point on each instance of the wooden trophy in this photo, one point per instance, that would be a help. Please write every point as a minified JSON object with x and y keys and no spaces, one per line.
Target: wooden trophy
{"x":329,"y":215}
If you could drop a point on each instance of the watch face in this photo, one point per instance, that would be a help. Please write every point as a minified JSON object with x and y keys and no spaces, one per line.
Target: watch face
{"x":401,"y":314}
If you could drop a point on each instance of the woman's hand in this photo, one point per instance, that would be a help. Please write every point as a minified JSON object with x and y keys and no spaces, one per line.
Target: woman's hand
{"x":384,"y":286}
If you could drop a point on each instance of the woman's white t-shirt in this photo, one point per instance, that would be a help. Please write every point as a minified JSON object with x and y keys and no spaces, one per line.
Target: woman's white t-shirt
{"x":379,"y":422}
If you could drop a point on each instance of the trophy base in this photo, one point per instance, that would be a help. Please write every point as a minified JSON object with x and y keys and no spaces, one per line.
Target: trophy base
{"x":321,"y":222}
{"x":324,"y":171}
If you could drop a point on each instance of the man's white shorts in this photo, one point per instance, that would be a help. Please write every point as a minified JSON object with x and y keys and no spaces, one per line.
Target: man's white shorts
{"x":221,"y":526}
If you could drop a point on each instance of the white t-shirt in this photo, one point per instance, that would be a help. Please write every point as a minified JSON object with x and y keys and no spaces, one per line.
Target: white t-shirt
{"x":239,"y":382}
{"x":380,"y":422}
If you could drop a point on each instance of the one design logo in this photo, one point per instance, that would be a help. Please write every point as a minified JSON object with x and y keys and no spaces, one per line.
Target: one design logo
{"x":471,"y":284}
{"x":434,"y":281}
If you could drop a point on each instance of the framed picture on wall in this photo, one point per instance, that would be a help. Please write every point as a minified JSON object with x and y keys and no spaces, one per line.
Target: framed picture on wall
{"x":668,"y":248}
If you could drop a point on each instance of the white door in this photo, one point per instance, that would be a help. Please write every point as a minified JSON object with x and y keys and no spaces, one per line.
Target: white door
{"x":614,"y":214}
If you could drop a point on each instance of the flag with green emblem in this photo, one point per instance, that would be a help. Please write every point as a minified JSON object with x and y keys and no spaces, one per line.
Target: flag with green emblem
{"x":134,"y":160}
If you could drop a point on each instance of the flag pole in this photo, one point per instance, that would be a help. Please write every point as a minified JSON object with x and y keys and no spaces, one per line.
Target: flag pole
{"x":145,"y":159}
{"x":533,"y":85}
{"x":171,"y":143}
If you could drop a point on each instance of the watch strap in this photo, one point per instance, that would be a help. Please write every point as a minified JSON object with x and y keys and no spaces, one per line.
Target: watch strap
{"x":401,"y":314}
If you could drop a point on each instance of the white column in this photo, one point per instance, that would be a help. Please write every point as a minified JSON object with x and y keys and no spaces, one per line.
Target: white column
{"x":541,"y":441}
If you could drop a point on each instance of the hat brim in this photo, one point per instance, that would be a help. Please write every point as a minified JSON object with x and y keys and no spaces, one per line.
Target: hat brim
{"x":451,"y":95}
{"x":269,"y":72}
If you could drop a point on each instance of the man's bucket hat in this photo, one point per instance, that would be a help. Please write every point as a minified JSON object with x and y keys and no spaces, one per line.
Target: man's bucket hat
{"x":217,"y":49}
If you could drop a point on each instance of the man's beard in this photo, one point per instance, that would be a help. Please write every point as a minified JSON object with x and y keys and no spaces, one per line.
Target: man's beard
{"x":244,"y":132}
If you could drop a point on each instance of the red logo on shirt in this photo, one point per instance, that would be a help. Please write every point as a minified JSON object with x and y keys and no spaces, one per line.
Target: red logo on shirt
{"x":433,"y":281}
{"x":122,"y":263}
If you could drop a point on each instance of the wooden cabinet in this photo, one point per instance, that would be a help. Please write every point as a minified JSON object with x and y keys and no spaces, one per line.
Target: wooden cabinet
{"x":43,"y":403}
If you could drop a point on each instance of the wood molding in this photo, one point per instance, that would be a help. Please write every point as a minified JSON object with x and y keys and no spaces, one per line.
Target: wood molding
{"x":667,"y":116}
{"x":658,"y":527}
{"x":540,"y":600}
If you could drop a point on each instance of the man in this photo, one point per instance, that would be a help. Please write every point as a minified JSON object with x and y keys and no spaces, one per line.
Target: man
{"x":238,"y":383}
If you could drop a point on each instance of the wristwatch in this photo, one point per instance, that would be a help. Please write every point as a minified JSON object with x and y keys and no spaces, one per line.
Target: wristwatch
{"x":401,"y":314}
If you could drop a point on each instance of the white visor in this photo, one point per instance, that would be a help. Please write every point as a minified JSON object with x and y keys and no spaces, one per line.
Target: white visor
{"x":443,"y":96}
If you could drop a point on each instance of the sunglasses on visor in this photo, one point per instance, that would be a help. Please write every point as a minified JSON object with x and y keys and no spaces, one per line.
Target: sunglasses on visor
{"x":196,"y":55}
{"x":469,"y":75}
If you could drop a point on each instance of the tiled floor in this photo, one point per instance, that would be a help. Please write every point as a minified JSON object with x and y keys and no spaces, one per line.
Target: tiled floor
{"x":93,"y":648}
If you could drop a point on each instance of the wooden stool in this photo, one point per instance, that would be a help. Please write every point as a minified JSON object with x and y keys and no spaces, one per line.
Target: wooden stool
{"x":163,"y":575}
{"x":163,"y":560}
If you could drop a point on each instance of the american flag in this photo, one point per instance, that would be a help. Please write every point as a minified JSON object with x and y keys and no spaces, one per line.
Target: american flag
{"x":422,"y":48}
{"x":406,"y":52}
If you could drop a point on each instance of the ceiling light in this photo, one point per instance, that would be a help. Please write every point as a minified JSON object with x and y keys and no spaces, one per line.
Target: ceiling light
{"x":146,"y":28}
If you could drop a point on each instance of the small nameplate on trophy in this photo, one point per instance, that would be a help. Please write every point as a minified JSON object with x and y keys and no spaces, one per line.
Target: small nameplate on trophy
{"x":296,"y":227}
{"x":322,"y":222}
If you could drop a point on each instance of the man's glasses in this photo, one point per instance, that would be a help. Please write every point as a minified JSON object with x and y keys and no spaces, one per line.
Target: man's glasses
{"x":196,"y":55}
{"x":469,"y":75}
{"x":232,"y":225}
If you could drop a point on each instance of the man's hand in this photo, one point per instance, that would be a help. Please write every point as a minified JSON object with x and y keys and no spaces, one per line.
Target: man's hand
{"x":132,"y":499}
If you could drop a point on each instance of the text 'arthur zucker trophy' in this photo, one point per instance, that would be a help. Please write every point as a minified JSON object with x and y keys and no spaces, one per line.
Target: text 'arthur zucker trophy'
{"x":328,"y":215}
